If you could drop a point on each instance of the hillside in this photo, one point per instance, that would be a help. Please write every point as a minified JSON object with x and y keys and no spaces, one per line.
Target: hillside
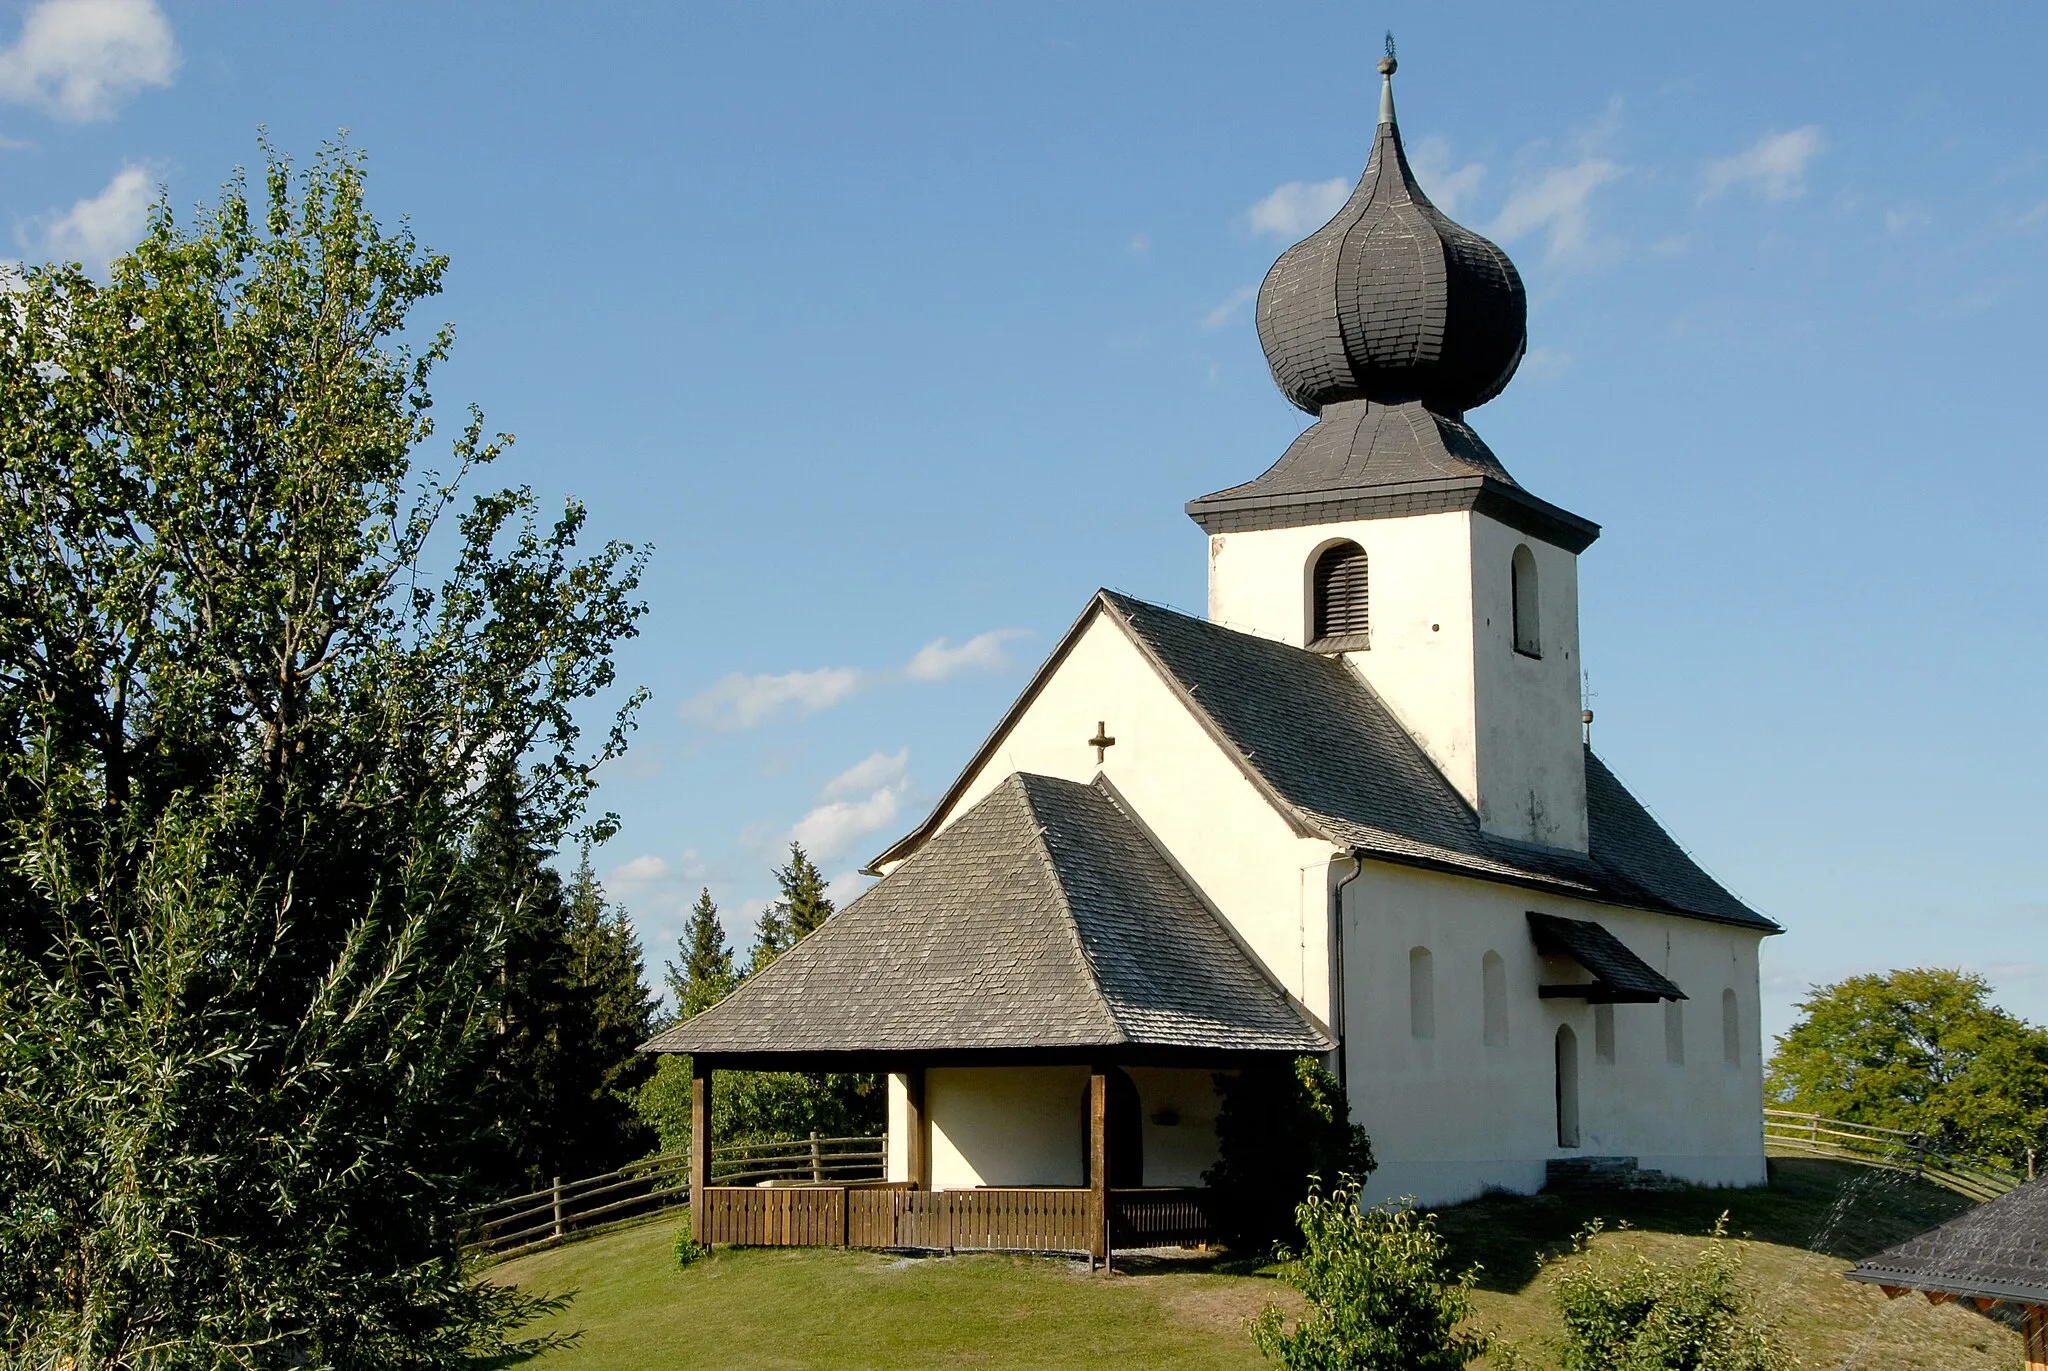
{"x":803,"y":1309}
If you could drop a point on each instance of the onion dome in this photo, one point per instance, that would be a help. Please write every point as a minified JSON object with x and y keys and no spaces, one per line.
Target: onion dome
{"x":1391,"y":301}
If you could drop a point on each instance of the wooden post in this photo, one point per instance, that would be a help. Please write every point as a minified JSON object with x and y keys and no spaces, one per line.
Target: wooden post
{"x":817,"y":1163}
{"x":1098,"y":1166}
{"x":917,"y":1142}
{"x":700,"y":1147}
{"x":558,"y":1206}
{"x":2034,"y":1326}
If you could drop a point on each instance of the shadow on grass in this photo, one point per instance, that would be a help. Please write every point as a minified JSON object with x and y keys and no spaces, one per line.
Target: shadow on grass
{"x":1839,"y":1209}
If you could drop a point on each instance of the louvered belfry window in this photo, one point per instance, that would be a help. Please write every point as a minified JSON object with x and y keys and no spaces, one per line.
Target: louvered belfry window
{"x":1341,"y":599}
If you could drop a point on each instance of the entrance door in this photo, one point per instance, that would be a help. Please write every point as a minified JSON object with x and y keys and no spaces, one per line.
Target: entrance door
{"x":1567,"y":1086}
{"x":1126,"y":1133}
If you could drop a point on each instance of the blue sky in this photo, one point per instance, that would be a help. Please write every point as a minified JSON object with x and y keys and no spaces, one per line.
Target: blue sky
{"x":898,"y":329}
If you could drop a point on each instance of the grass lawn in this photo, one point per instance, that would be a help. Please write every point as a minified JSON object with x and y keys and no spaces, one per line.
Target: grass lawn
{"x":764,"y":1308}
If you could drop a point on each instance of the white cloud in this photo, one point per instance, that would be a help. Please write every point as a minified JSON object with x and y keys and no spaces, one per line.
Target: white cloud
{"x":1431,"y":163}
{"x":1772,"y":168}
{"x":833,"y":827}
{"x":639,"y":871}
{"x":1235,"y":301}
{"x":1897,"y":221}
{"x":1299,"y":207}
{"x":77,"y":59}
{"x":1140,"y":244}
{"x":847,"y":887}
{"x":1542,"y":364}
{"x":1556,"y":203}
{"x":742,"y":701}
{"x":872,"y":772}
{"x":100,"y":227}
{"x":938,"y":660}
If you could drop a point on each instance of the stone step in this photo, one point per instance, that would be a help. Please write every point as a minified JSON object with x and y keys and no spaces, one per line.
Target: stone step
{"x":1580,"y":1175}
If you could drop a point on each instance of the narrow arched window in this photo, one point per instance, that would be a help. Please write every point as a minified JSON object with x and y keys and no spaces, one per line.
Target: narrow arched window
{"x":1528,"y":627}
{"x":1421,"y":994}
{"x":1674,"y":1033}
{"x":1731,"y":1027}
{"x":1493,"y":983}
{"x":1567,"y":1086}
{"x":1603,"y":1033}
{"x":1340,"y":618}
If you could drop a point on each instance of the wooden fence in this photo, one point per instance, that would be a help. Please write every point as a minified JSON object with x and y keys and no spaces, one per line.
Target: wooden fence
{"x":655,"y":1183}
{"x":1788,"y":1131}
{"x":991,"y":1219}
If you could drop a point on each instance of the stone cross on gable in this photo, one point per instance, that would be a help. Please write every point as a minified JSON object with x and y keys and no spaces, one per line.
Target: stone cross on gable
{"x":1101,"y":742}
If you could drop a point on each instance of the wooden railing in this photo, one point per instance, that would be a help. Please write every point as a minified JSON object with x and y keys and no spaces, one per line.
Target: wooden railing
{"x":1786,"y":1130}
{"x":991,"y":1219}
{"x":655,"y":1183}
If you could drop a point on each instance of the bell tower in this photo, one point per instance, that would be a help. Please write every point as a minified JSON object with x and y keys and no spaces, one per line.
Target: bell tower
{"x":1388,"y":534}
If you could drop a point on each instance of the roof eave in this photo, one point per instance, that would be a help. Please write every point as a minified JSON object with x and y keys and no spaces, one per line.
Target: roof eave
{"x":1247,"y":508}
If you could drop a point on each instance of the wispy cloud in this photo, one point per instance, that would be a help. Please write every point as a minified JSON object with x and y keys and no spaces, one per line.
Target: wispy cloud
{"x":1557,"y":203}
{"x":100,"y":227}
{"x":742,"y":701}
{"x":1771,"y":168}
{"x":1228,"y":307}
{"x":872,"y":772}
{"x":939,"y":660}
{"x":1298,"y":207}
{"x":78,"y":59}
{"x":1431,"y":161}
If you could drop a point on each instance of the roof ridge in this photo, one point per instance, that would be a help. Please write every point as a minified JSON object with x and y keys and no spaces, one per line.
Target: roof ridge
{"x":1070,"y":925}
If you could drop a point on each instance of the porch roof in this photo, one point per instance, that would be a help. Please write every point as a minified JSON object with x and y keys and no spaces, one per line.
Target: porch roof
{"x":1043,"y":920}
{"x":1998,"y":1251}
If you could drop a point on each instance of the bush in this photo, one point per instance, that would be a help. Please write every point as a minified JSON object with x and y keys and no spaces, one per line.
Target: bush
{"x":1634,"y":1313}
{"x":688,"y":1250}
{"x":1276,"y":1131}
{"x":1380,"y":1291}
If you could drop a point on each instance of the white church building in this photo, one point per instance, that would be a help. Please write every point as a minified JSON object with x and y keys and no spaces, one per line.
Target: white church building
{"x":1350,"y":813}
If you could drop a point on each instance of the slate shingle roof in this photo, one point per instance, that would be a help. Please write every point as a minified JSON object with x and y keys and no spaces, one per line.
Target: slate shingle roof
{"x":1999,"y":1250}
{"x":1392,"y":301}
{"x":1042,"y":918}
{"x":1619,"y":974}
{"x":1327,"y":752}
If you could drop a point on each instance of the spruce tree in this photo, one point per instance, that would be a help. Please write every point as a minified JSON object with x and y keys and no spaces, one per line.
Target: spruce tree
{"x":801,"y":910}
{"x":704,"y":975}
{"x":607,"y":967}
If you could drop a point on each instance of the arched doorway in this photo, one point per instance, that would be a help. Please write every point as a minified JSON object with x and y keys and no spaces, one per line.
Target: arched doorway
{"x":1126,"y":1133}
{"x":1567,"y":1086}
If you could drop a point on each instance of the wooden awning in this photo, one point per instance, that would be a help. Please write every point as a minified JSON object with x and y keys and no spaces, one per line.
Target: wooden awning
{"x":1619,"y":975}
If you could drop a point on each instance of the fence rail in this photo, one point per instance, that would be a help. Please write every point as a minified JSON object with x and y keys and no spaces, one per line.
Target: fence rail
{"x":655,"y":1183}
{"x":1894,"y":1149}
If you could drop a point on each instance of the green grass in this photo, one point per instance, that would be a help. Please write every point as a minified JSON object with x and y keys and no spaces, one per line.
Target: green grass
{"x":746,"y":1308}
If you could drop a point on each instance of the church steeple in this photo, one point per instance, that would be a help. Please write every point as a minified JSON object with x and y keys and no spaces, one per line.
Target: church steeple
{"x":1390,"y":300}
{"x":1388,"y":533}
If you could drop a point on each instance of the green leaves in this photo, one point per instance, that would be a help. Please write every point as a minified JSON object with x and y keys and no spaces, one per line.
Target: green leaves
{"x":1630,"y":1312}
{"x":1923,"y":1051}
{"x":1380,"y":1291}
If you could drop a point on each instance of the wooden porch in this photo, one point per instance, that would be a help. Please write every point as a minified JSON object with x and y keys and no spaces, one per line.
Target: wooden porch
{"x":1093,"y":1219}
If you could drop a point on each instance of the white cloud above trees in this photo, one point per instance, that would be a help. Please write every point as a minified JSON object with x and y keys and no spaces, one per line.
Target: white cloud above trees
{"x":740,"y":701}
{"x":1771,"y":168}
{"x":100,"y":227}
{"x":77,"y":60}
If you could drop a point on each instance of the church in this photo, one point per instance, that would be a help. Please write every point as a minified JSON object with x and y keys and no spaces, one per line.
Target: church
{"x":1352,"y":813}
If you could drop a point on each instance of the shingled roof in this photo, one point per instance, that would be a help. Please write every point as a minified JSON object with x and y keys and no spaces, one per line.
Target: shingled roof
{"x":1998,"y":1251}
{"x":1042,"y":919}
{"x":1328,"y":753}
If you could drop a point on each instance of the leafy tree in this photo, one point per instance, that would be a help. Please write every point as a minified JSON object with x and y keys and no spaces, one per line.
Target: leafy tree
{"x":1922,"y":1050}
{"x":265,"y":687}
{"x":704,"y":976}
{"x":1278,"y":1130}
{"x":1636,"y":1313}
{"x":1381,"y":1296}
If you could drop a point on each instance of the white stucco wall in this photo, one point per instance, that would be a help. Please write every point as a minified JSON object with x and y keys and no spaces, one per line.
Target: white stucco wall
{"x":1451,"y":1117}
{"x":1502,"y":727}
{"x":1267,"y":882}
{"x":1013,"y":1125}
{"x":1179,"y":1151}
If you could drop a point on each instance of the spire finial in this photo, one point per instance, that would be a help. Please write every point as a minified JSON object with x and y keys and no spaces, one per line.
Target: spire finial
{"x":1387,"y":65}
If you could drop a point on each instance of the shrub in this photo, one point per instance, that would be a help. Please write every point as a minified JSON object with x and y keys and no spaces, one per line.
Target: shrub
{"x":1380,"y":1290}
{"x":1634,"y":1313}
{"x":688,"y":1250}
{"x":1276,"y":1131}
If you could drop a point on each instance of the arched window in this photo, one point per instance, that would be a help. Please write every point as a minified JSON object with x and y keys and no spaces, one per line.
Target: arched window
{"x":1603,"y":1033}
{"x":1493,"y":978}
{"x":1528,"y":627}
{"x":1567,"y":1086}
{"x":1674,"y":1033}
{"x":1731,"y":1028}
{"x":1421,"y":994}
{"x":1340,"y":596}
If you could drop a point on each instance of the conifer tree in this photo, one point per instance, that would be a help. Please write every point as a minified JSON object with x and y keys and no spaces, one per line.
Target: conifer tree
{"x":802,"y":908}
{"x":705,"y":975}
{"x":607,"y":966}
